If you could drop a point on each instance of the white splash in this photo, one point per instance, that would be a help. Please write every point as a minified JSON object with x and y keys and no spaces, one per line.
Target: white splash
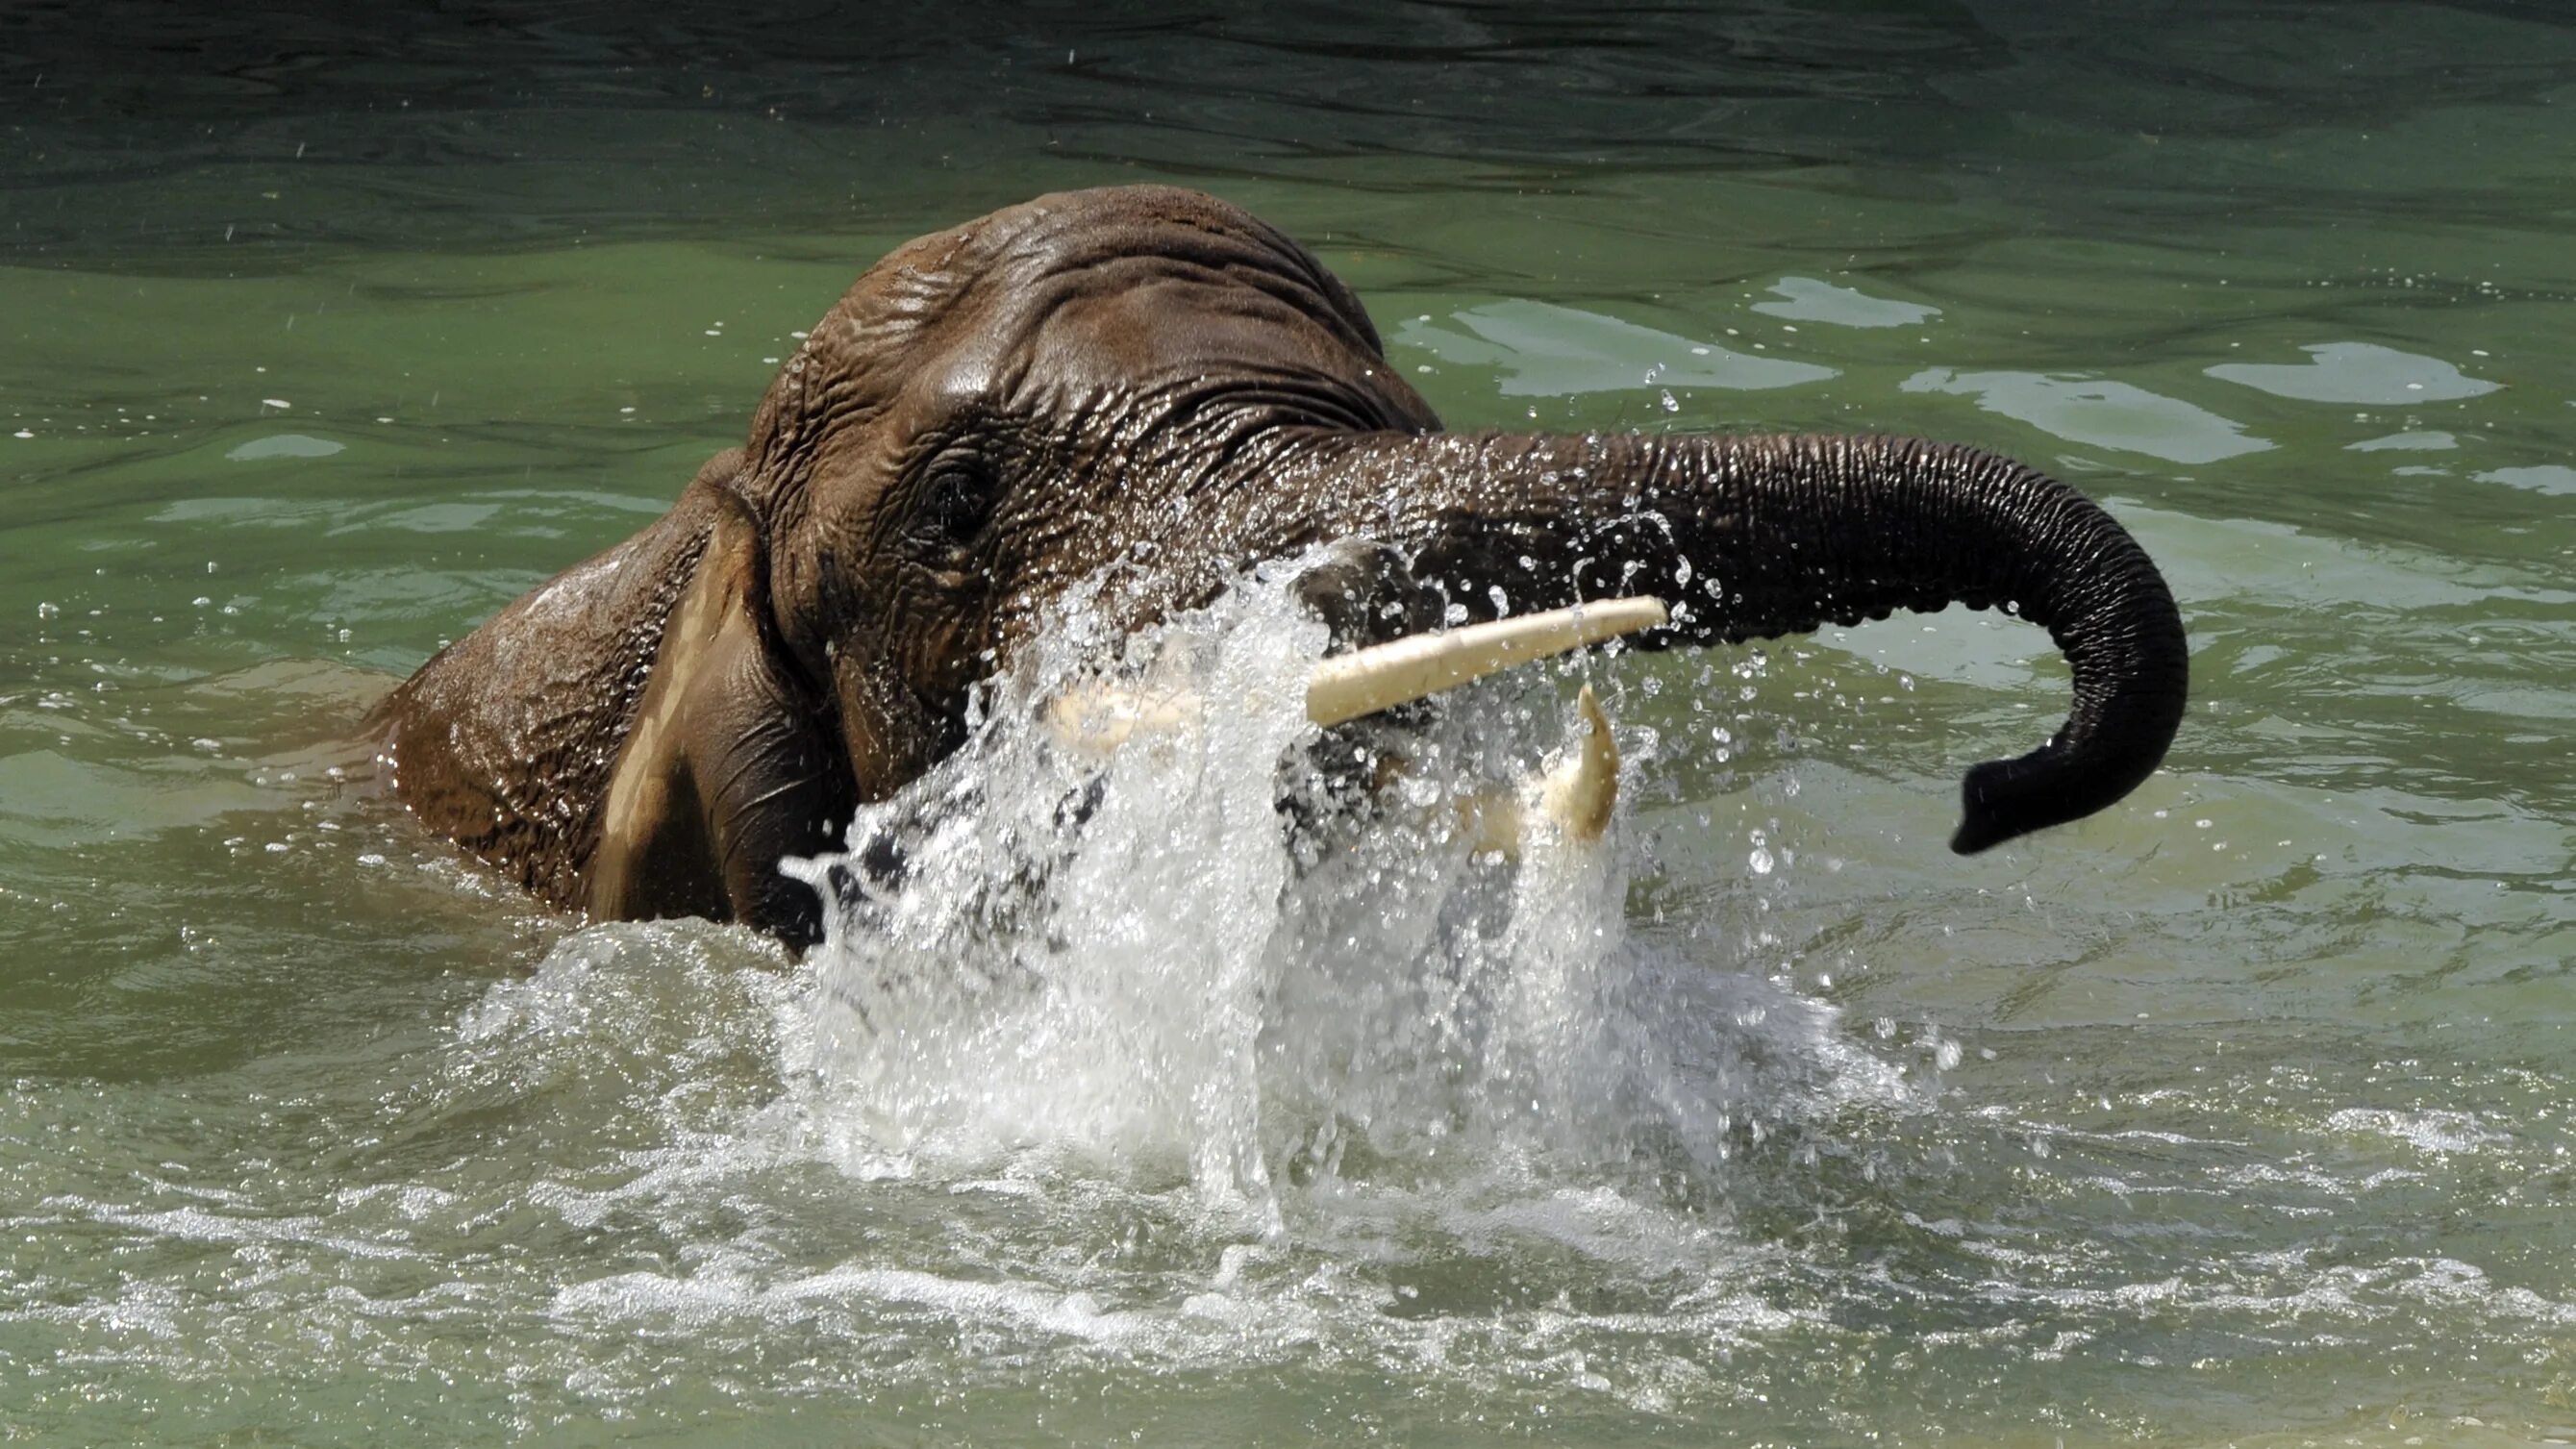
{"x":1143,"y":963}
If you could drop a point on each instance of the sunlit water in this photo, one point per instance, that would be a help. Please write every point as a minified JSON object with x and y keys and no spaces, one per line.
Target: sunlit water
{"x":2236,"y":1114}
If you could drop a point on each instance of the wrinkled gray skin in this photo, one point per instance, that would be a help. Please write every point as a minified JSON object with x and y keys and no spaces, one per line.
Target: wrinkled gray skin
{"x":1151,"y":379}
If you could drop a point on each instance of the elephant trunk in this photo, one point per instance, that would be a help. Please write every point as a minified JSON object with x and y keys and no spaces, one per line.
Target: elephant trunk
{"x":1754,"y":537}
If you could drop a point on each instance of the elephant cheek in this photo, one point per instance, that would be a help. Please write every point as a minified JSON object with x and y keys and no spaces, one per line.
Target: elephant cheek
{"x":891,"y":736}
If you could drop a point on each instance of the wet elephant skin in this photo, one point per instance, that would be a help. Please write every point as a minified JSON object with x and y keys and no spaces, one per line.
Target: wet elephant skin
{"x":1148,"y":385}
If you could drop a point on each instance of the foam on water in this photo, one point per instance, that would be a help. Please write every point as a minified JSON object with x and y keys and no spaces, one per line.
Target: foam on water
{"x":1115,"y":1067}
{"x":1114,"y":1055}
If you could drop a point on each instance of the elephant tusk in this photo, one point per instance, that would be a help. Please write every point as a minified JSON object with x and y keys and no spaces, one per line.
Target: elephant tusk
{"x":1102,"y":717}
{"x":1575,"y":800}
{"x":1580,"y":793}
{"x":1383,"y":676}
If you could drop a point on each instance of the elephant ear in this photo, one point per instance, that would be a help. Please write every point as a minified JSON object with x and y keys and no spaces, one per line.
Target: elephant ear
{"x":728,"y":766}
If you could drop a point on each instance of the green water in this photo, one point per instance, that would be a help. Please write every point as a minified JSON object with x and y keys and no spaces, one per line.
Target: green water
{"x":2236,"y":1114}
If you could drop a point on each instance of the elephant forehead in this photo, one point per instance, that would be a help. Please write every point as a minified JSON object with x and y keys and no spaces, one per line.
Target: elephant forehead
{"x":1090,"y":294}
{"x":1002,"y":276}
{"x":1140,"y":320}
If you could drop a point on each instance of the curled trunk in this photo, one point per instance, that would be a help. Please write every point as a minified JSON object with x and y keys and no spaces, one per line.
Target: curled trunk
{"x":1754,"y":537}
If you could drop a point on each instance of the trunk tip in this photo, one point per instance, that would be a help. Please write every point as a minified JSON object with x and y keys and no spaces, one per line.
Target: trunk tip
{"x":2002,"y":800}
{"x":1993,"y":808}
{"x":1980,"y":831}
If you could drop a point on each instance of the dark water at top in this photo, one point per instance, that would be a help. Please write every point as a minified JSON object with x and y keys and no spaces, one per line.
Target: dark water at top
{"x":2236,"y":1112}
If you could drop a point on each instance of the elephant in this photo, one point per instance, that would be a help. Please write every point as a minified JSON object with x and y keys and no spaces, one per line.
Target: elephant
{"x":1148,"y":384}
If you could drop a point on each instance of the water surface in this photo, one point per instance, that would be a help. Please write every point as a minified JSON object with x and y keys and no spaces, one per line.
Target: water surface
{"x":2235,"y":1114}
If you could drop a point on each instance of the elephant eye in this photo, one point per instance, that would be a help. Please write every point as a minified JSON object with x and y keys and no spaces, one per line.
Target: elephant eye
{"x":958,"y":500}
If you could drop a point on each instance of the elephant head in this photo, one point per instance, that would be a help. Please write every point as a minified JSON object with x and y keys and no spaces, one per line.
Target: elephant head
{"x":1150,"y":383}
